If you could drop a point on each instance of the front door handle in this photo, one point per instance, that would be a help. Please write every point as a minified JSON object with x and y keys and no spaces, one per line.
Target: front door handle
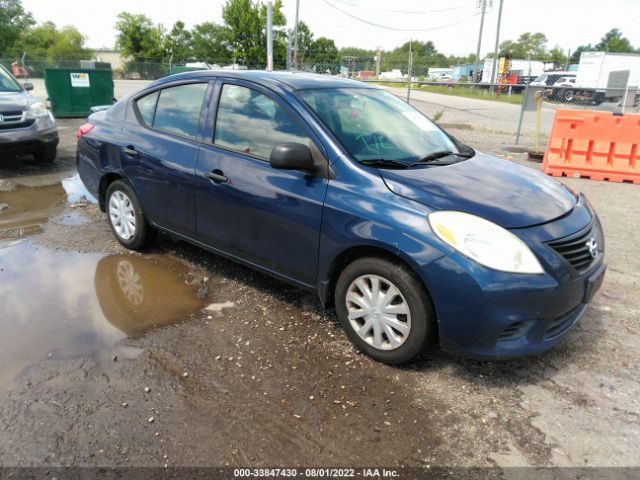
{"x":216,"y":176}
{"x":130,"y":151}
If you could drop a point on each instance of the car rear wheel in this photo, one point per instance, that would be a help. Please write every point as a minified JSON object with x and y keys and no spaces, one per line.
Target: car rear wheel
{"x":125,"y":217}
{"x":46,"y":154}
{"x":384,"y":309}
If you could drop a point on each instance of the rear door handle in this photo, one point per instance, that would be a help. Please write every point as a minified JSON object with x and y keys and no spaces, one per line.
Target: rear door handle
{"x":216,"y":176}
{"x":130,"y":151}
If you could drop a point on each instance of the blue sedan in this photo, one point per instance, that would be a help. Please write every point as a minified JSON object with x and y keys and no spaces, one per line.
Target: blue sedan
{"x":341,"y":188}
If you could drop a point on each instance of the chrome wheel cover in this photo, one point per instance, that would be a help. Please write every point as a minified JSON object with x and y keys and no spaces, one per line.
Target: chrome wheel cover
{"x":378,"y":312}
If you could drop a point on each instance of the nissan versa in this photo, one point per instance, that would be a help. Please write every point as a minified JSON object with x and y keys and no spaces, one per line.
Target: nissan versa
{"x":26,"y":126}
{"x":341,"y":188}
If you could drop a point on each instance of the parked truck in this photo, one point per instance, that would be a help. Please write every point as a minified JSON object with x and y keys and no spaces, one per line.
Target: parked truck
{"x":602,"y":77}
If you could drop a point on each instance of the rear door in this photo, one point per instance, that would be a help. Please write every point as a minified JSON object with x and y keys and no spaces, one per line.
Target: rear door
{"x":161,"y":150}
{"x":268,"y":217}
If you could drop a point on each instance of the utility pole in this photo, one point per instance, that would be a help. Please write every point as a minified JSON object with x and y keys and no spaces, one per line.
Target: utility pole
{"x":288,"y":50}
{"x":482,"y":5}
{"x":378,"y":58}
{"x":495,"y":52}
{"x":410,"y":69}
{"x":295,"y":36}
{"x":269,"y":35}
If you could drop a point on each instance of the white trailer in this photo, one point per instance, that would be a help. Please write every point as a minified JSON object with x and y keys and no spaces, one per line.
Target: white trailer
{"x":594,"y":79}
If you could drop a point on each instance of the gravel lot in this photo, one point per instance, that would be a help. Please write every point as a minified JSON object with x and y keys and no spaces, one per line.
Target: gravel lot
{"x":234,"y":368}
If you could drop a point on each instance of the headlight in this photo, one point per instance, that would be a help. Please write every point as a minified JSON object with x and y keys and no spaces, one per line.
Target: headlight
{"x":37,"y":110}
{"x":485,"y":242}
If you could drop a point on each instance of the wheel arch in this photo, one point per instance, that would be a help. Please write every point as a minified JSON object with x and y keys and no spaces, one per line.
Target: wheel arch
{"x":106,"y":180}
{"x":327,"y":284}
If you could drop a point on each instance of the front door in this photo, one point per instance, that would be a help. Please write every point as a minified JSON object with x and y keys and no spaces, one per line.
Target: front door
{"x":244,"y":207}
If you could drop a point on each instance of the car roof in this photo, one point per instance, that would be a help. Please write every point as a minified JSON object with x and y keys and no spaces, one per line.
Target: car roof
{"x":287,"y":80}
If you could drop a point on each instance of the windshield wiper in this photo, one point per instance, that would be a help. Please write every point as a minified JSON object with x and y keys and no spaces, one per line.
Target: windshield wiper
{"x":437,"y":155}
{"x":384,"y":162}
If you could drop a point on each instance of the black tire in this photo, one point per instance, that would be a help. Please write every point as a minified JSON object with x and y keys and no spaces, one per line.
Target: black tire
{"x":143,"y":233}
{"x":423,"y":325}
{"x":46,"y":154}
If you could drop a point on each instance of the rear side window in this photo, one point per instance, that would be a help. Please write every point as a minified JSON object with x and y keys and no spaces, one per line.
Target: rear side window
{"x":174,"y":109}
{"x":253,"y":123}
{"x":147,"y":107}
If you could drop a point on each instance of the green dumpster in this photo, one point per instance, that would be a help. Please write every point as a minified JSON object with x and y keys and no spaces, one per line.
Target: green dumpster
{"x":72,"y":92}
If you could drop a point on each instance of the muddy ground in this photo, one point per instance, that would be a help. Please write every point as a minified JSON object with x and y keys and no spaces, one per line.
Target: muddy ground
{"x":179,"y":358}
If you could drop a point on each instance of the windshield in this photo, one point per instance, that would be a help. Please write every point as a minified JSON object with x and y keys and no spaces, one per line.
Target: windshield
{"x":372,"y":124}
{"x":541,"y":78}
{"x":7,"y":82}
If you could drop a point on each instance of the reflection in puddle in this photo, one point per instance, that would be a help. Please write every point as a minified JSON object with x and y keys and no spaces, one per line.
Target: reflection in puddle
{"x":60,"y":305}
{"x":76,"y":191}
{"x":27,"y":209}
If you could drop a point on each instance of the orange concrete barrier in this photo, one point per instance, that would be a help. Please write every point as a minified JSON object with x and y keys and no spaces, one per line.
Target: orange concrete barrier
{"x":596,"y":145}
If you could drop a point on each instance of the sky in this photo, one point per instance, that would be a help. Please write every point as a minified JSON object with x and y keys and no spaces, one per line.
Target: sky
{"x":452,"y":25}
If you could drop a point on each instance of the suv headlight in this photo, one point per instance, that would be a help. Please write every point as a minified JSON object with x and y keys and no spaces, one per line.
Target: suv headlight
{"x":485,"y":242}
{"x":37,"y":110}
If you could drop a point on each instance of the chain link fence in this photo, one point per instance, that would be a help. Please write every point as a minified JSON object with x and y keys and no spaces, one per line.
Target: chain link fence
{"x":485,"y":115}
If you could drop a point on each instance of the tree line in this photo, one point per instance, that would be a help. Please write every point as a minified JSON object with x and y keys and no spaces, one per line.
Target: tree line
{"x":19,"y":34}
{"x":241,"y":38}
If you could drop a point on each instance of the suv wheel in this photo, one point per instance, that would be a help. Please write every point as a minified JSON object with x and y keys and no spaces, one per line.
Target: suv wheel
{"x":125,"y":216}
{"x":385,"y":310}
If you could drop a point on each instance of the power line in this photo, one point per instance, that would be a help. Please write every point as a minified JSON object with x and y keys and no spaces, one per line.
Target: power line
{"x":412,"y":12}
{"x":386,"y":27}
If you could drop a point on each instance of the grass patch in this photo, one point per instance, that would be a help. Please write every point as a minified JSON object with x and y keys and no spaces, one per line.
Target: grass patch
{"x":480,"y":93}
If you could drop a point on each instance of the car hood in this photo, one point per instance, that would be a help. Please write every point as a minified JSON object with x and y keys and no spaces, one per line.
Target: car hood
{"x":14,"y":101}
{"x":508,"y":194}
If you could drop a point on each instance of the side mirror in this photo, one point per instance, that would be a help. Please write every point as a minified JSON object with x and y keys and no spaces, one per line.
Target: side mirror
{"x":28,"y":86}
{"x":293,"y":156}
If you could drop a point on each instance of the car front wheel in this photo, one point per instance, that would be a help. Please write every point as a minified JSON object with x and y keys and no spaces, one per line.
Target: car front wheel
{"x":126,"y":218}
{"x":384,"y":309}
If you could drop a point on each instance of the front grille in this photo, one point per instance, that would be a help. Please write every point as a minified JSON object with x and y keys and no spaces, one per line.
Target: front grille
{"x":562,"y":323}
{"x":16,"y":124}
{"x":15,"y":113}
{"x":575,"y":248}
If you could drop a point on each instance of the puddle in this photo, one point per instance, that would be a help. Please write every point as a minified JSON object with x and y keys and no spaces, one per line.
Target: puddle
{"x":62,"y":305}
{"x":27,"y":209}
{"x":76,"y":191}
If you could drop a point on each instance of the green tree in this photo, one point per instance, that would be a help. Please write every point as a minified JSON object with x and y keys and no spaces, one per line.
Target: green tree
{"x":575,"y":56}
{"x":138,"y":37}
{"x":178,"y":42}
{"x":209,"y":44}
{"x":47,"y":41}
{"x":243,"y":31}
{"x":534,"y":44}
{"x":326,"y":56}
{"x":14,"y":20}
{"x":305,"y":44}
{"x":558,"y":57}
{"x":613,"y":41}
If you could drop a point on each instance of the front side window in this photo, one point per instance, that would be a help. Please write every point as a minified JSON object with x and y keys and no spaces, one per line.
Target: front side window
{"x":253,"y":123}
{"x":372,"y":124}
{"x":177,"y":109}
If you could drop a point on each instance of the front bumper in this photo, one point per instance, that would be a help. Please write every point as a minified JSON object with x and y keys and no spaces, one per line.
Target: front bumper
{"x":30,"y":137}
{"x":484,"y":313}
